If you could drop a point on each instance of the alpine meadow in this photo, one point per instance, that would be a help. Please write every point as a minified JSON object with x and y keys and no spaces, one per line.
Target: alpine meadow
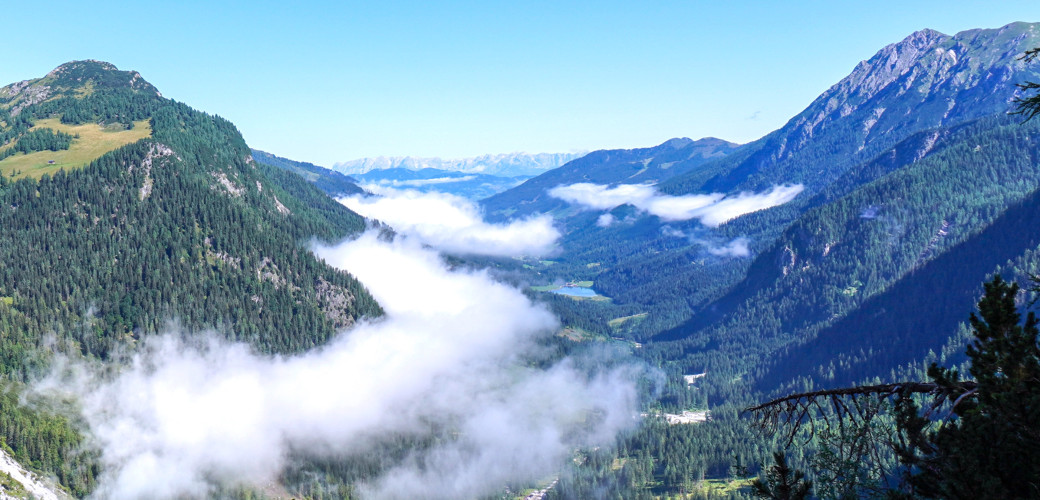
{"x":844,"y":307}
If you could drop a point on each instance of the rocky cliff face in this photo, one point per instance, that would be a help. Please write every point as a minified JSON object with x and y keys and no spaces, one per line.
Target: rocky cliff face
{"x":926,"y":80}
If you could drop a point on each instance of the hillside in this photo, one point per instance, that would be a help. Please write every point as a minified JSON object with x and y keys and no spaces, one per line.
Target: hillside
{"x":330,"y":181}
{"x":882,"y":235}
{"x":67,"y":88}
{"x":182,"y":225}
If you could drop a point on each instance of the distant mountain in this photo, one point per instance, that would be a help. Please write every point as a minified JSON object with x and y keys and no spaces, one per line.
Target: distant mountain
{"x":331,"y":182}
{"x":500,"y":165}
{"x":619,"y":166}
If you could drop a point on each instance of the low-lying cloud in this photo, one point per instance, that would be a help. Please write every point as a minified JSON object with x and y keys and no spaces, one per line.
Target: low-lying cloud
{"x":737,"y":247}
{"x":710,"y":209}
{"x":447,"y":361}
{"x":455,"y":224}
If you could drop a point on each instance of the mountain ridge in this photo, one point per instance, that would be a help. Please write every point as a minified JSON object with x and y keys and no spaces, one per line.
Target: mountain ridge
{"x":502,"y":165}
{"x":926,"y":80}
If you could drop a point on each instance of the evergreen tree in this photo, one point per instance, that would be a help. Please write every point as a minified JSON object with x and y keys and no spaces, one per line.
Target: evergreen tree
{"x":1029,"y":106}
{"x":782,"y":483}
{"x":990,"y":450}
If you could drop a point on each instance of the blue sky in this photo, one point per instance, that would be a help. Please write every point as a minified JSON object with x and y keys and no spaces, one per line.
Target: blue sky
{"x":334,"y":81}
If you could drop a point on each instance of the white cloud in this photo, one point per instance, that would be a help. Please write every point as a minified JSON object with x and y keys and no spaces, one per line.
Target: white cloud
{"x":736,"y":248}
{"x":673,"y":232}
{"x":446,"y":361}
{"x":711,"y":209}
{"x":746,"y":202}
{"x":454,"y":224}
{"x":605,"y":220}
{"x":598,"y":196}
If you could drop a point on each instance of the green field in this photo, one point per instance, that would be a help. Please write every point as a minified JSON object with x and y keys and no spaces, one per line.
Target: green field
{"x":618,"y":322}
{"x":545,"y":288}
{"x":94,"y":140}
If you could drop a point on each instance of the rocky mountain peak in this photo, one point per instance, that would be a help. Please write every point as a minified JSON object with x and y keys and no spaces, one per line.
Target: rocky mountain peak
{"x":926,"y":80}
{"x":77,"y":74}
{"x":891,"y":62}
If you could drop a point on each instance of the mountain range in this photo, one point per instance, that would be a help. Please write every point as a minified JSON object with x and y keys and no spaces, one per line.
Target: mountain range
{"x":501,"y":165}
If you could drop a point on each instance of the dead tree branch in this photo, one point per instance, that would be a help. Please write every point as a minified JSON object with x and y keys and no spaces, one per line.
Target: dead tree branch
{"x":797,"y":409}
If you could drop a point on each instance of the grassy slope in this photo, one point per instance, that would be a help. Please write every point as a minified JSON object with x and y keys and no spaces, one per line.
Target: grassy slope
{"x":93,"y":142}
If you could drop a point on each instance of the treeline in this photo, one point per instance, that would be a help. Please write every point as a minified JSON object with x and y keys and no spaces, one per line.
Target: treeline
{"x":43,"y":139}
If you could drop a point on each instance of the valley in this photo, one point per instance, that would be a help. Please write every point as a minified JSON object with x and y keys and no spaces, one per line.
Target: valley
{"x":184,"y":316}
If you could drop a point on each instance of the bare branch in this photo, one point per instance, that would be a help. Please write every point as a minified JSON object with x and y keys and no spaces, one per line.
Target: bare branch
{"x":877,"y":390}
{"x":795,"y":410}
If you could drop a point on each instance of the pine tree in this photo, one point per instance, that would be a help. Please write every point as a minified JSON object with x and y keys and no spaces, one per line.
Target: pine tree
{"x":782,"y":483}
{"x":990,"y":450}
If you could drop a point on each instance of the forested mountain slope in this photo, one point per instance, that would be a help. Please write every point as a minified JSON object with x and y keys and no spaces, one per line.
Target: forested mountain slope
{"x":183,"y":225}
{"x":836,"y":256}
{"x":330,"y":181}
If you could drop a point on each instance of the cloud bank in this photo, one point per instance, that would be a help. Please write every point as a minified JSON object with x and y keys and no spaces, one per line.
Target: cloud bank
{"x":455,"y":224}
{"x":446,"y":362}
{"x":710,"y":209}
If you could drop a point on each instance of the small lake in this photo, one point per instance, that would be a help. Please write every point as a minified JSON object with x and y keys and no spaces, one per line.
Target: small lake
{"x":576,"y":291}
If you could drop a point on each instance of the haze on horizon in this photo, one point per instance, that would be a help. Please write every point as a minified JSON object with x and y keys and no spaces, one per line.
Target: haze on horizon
{"x":327,"y":82}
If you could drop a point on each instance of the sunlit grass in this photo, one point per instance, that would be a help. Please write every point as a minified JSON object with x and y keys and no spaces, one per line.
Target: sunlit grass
{"x":94,"y":140}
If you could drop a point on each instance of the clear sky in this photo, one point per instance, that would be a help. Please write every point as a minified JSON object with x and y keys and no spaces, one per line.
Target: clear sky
{"x":332,"y":81}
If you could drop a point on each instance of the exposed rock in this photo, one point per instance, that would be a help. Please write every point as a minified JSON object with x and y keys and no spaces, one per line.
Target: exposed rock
{"x":282,"y":209}
{"x":268,"y":271}
{"x":233,"y":190}
{"x":336,"y":302}
{"x":156,"y":151}
{"x":211,"y":255}
{"x":33,"y":485}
